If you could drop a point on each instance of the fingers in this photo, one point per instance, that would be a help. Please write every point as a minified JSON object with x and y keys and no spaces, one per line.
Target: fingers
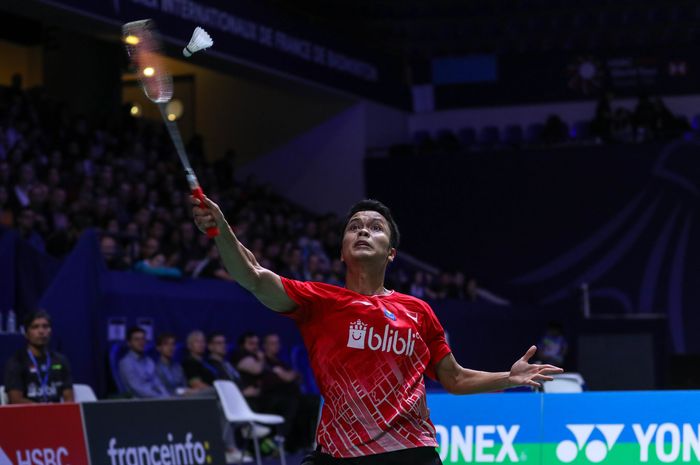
{"x":530,"y":352}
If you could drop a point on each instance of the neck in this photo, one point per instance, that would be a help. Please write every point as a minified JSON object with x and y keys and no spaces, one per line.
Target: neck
{"x":216,"y":357}
{"x":366,"y":281}
{"x":37,"y":351}
{"x":165,"y":360}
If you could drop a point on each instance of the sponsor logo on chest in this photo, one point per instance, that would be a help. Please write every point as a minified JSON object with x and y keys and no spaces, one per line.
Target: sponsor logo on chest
{"x":387,"y":339}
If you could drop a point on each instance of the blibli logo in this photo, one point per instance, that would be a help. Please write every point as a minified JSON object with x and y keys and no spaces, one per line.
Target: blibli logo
{"x":356,"y":338}
{"x":388,"y":340}
{"x":596,"y":450}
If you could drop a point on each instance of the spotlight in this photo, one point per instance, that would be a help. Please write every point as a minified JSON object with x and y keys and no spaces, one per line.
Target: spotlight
{"x":149,"y":71}
{"x":131,"y":40}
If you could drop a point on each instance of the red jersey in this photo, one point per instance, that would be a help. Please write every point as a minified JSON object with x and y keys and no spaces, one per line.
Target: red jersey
{"x":369,"y":354}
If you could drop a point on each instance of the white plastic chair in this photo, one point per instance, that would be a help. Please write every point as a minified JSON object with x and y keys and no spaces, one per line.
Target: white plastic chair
{"x":563,"y":384}
{"x":83,"y":393}
{"x":238,"y":412}
{"x":3,"y":396}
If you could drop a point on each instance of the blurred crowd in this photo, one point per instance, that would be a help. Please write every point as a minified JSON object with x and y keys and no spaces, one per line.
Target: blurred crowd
{"x":651,"y":119}
{"x":61,"y":174}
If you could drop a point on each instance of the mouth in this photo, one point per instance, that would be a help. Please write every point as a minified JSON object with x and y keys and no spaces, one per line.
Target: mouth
{"x":362,"y":244}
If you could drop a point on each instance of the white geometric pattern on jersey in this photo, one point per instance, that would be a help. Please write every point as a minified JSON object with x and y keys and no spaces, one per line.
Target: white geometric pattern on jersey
{"x":356,"y":408}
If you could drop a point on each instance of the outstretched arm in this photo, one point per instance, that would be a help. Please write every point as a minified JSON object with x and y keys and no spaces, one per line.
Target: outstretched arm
{"x":459,"y":380}
{"x":240,"y":262}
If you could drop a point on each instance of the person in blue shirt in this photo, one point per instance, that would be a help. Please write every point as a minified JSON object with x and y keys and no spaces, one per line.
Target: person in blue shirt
{"x":169,"y":371}
{"x":137,"y":370}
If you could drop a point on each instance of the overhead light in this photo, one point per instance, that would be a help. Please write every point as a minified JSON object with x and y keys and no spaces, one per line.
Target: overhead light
{"x":149,"y":71}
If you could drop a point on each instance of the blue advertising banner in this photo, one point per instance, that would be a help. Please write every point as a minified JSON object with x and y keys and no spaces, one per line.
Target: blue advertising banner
{"x":615,"y":428}
{"x":487,"y":428}
{"x":253,"y":34}
{"x":621,"y":428}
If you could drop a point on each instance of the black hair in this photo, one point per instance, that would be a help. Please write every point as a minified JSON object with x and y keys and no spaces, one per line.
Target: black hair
{"x":164,"y":337}
{"x":215,"y":334}
{"x":29,"y":319}
{"x":245,"y":336}
{"x":133,"y":330}
{"x":376,"y":206}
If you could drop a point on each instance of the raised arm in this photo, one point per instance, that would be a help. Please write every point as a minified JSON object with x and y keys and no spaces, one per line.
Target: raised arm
{"x":240,"y":262}
{"x":458,"y":380}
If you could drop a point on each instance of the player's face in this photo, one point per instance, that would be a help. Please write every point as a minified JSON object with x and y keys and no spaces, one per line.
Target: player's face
{"x":39,"y":332}
{"x":367,"y":236}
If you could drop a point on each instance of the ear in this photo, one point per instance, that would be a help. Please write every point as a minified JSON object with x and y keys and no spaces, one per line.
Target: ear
{"x":392,"y":254}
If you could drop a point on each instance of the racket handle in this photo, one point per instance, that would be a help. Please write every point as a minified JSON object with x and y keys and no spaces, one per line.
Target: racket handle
{"x":198,"y":194}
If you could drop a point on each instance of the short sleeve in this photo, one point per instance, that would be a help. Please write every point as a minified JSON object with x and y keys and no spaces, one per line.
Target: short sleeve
{"x":304,"y":294}
{"x":434,"y":337}
{"x":66,"y":374}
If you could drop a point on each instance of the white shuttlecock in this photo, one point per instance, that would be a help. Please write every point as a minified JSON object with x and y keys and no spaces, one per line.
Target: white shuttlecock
{"x":199,"y":41}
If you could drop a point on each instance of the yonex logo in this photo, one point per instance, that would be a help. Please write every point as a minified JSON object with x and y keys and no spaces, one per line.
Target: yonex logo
{"x":595,"y":450}
{"x":388,"y":341}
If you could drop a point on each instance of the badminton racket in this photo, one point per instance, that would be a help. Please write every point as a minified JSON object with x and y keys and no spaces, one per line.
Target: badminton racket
{"x":143,"y":46}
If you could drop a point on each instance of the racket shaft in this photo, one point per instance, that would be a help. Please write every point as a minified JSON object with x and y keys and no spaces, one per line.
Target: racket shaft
{"x":195,"y":188}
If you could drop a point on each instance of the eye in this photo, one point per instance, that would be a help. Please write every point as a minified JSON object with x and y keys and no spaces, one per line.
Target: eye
{"x":353,"y":227}
{"x":377,"y":227}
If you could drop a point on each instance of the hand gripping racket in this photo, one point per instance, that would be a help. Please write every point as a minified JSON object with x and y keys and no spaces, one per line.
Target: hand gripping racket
{"x":143,"y":46}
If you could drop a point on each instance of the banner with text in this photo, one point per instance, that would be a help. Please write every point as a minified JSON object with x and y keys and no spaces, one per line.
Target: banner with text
{"x":609,"y":428}
{"x":250,"y":32}
{"x":135,"y":432}
{"x":42,"y":435}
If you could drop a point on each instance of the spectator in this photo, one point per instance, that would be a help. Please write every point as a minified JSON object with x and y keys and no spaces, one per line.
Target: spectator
{"x":26,"y":225}
{"x":602,"y":122}
{"x":249,"y":360}
{"x":153,"y":261}
{"x":643,"y":120}
{"x":210,"y":266}
{"x":38,"y":374}
{"x":418,"y":285}
{"x":137,"y":370}
{"x":7,"y":217}
{"x":222,"y":368}
{"x":553,"y":346}
{"x":197,"y":374}
{"x":170,"y":373}
{"x":555,"y":130}
{"x":281,"y":394}
{"x":111,"y":254}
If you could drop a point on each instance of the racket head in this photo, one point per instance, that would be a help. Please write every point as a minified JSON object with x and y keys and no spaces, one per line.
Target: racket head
{"x":143,"y":45}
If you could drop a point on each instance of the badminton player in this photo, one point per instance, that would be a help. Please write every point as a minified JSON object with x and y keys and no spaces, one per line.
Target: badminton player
{"x":369,"y":346}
